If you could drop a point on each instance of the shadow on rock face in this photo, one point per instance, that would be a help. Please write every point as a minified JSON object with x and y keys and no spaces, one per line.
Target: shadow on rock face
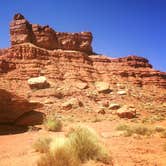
{"x":8,"y":129}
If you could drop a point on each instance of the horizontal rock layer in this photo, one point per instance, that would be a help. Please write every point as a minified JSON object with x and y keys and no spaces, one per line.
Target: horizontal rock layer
{"x":24,"y":61}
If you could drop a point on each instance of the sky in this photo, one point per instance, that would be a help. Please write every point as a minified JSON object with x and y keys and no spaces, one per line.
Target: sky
{"x":119,"y":27}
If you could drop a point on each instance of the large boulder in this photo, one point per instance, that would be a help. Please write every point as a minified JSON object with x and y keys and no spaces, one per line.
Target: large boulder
{"x":126,"y":112}
{"x":12,"y":107}
{"x":38,"y":82}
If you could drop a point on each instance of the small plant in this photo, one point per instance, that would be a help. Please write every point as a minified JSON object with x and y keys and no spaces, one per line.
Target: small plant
{"x":142,"y":130}
{"x":52,"y":123}
{"x":42,"y":144}
{"x":153,"y":118}
{"x":137,"y":129}
{"x":96,"y":119}
{"x":159,"y":129}
{"x":122,"y":127}
{"x":85,"y":143}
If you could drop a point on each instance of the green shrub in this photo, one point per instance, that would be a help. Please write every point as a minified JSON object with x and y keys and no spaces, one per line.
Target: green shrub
{"x":42,"y":144}
{"x":52,"y":123}
{"x":85,"y":143}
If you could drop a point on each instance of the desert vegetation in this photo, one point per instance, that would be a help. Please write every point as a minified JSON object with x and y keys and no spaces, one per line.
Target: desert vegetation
{"x":52,"y":123}
{"x":80,"y":145}
{"x":141,"y":129}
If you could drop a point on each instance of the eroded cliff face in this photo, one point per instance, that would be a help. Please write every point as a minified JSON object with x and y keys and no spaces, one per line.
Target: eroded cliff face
{"x":67,"y":62}
{"x":22,"y":31}
{"x":26,"y":60}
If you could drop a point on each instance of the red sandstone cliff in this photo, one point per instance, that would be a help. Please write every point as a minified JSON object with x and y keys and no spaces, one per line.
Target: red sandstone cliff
{"x":23,"y":61}
{"x":39,"y":50}
{"x":67,"y":61}
{"x":22,"y":31}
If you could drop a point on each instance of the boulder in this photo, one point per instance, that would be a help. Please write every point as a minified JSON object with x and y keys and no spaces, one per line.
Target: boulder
{"x":72,"y":103}
{"x":126,"y":112}
{"x":101,"y":111}
{"x":38,"y":82}
{"x":122,"y":92}
{"x":12,"y":107}
{"x":114,"y":106}
{"x":102,"y":87}
{"x":81,"y":85}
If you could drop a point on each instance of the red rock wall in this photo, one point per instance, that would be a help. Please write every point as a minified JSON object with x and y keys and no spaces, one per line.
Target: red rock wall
{"x":22,"y":31}
{"x":25,"y":61}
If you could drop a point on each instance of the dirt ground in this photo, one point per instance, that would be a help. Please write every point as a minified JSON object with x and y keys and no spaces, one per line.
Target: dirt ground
{"x":16,"y":149}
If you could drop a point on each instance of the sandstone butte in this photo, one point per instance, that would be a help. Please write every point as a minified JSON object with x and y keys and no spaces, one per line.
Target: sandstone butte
{"x":68,"y":62}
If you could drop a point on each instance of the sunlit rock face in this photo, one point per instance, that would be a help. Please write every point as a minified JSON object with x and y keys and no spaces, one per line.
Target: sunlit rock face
{"x":40,"y":51}
{"x":22,"y":31}
{"x":69,"y":67}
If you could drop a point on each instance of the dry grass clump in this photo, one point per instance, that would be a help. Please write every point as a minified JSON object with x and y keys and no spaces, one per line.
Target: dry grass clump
{"x":52,"y":123}
{"x":60,"y":154}
{"x":154,"y":118}
{"x":86,"y":145}
{"x":136,"y":129}
{"x":122,"y":127}
{"x":80,"y":144}
{"x":42,"y":144}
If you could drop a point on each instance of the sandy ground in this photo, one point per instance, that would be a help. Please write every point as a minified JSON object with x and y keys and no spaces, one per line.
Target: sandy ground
{"x":16,"y":149}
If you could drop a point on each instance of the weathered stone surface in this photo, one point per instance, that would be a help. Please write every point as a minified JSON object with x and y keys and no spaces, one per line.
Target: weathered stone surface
{"x":126,"y":112}
{"x":38,"y":82}
{"x":45,"y":37}
{"x":102,"y":87}
{"x":13,"y":107}
{"x":81,"y":85}
{"x":122,"y":92}
{"x":114,"y":106}
{"x":72,"y":103}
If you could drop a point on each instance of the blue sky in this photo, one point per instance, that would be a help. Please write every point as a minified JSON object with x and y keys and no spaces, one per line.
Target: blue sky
{"x":119,"y":27}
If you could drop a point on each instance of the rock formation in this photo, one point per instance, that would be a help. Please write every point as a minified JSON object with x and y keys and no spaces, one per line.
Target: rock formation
{"x":13,"y":108}
{"x":66,"y":60}
{"x":22,"y":31}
